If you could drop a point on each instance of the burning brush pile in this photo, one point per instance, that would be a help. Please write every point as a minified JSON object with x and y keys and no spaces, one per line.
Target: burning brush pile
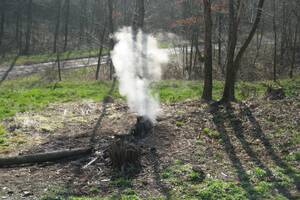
{"x":137,"y":60}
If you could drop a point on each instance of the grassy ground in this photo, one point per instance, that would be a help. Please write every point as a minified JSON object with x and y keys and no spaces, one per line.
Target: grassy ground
{"x":183,"y":180}
{"x":32,"y":92}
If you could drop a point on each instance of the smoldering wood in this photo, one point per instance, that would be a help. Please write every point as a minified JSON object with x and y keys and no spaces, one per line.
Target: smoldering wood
{"x":44,"y":157}
{"x":123,"y":154}
{"x":142,"y":128}
{"x":125,"y":150}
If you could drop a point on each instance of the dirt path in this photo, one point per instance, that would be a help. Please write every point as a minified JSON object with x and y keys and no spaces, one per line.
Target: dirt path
{"x":14,"y":71}
{"x":23,"y":70}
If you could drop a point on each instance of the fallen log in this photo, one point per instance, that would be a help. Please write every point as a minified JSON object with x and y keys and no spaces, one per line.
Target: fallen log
{"x":44,"y":157}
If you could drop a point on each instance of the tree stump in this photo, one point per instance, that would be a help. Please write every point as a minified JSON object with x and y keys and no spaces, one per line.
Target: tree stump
{"x":125,"y":152}
{"x":142,"y":128}
{"x":275,"y":93}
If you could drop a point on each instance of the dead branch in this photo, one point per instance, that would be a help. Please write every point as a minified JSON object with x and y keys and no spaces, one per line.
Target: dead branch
{"x":44,"y":157}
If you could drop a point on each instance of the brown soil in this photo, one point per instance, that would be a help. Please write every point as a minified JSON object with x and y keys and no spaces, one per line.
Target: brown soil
{"x":244,"y":135}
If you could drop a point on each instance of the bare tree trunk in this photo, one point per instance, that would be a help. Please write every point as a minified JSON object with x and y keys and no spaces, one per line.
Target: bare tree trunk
{"x":191,"y":57}
{"x":275,"y":43}
{"x":220,"y":44}
{"x":283,"y":37}
{"x":57,"y":26}
{"x":187,"y":59}
{"x":3,"y":7}
{"x":58,"y":66}
{"x":82,"y":22}
{"x":228,"y":94}
{"x":195,"y":62}
{"x":67,"y":16}
{"x":100,"y":53}
{"x":291,"y":74}
{"x":110,"y":4}
{"x":234,"y":64}
{"x":29,"y":26}
{"x":18,"y":14}
{"x":259,"y":38}
{"x":208,"y":83}
{"x":138,"y":22}
{"x":183,"y":61}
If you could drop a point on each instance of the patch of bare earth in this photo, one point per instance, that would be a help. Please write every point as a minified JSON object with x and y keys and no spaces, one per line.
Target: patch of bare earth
{"x":225,"y":142}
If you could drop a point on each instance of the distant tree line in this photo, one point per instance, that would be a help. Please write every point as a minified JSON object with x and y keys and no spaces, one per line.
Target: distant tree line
{"x":216,"y":35}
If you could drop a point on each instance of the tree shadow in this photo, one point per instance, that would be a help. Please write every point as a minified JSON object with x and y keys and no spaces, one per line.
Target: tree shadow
{"x":13,"y":63}
{"x":105,"y":103}
{"x":158,"y":179}
{"x":219,"y":120}
{"x":258,"y":133}
{"x":239,"y":132}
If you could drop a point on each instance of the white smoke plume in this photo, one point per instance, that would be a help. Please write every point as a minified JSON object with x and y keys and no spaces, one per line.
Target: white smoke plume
{"x":137,"y":60}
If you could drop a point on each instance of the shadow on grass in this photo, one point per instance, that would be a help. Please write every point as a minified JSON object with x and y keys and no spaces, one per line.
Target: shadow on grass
{"x":103,"y":113}
{"x":158,"y":179}
{"x":226,"y":115}
{"x":258,"y":133}
{"x":219,"y":120}
{"x":5,"y":75}
{"x":238,"y":130}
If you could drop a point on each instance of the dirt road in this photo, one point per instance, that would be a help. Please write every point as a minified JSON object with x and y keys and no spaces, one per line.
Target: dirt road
{"x":23,"y":70}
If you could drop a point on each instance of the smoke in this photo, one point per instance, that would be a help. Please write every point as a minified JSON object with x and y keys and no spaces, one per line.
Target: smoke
{"x":137,"y":60}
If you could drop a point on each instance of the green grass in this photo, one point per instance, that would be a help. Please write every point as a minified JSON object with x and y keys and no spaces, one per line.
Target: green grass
{"x":48,"y":57}
{"x":181,"y":177}
{"x":211,"y":133}
{"x":178,"y":177}
{"x":29,"y":93}
{"x":15,"y":96}
{"x":2,"y":136}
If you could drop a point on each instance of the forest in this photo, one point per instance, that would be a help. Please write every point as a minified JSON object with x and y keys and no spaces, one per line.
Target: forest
{"x":149,"y":99}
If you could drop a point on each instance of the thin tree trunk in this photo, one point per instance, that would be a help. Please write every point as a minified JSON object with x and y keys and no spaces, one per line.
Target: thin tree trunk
{"x":82,"y":21}
{"x":228,"y":94}
{"x":283,"y":37}
{"x":259,"y":38}
{"x":191,"y":57}
{"x":111,"y":31}
{"x":234,"y":64}
{"x":183,"y":61}
{"x":220,"y":64}
{"x":29,"y":26}
{"x":18,"y":14}
{"x":67,"y":16}
{"x":138,"y":22}
{"x":57,"y":25}
{"x":2,"y":23}
{"x":187,"y":59}
{"x":275,"y":43}
{"x":207,"y":90}
{"x":291,"y":74}
{"x":58,"y":66}
{"x":195,"y":63}
{"x":100,"y":53}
